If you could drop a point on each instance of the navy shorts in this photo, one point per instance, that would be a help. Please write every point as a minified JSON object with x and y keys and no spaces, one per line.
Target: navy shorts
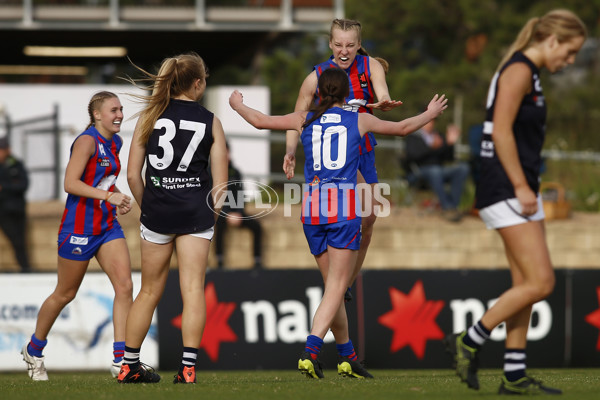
{"x":366,"y":166}
{"x":341,"y":235}
{"x":84,"y":247}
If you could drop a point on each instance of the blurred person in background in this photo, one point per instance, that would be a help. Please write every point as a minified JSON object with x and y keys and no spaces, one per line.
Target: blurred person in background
{"x":13,"y":216}
{"x":430,"y":155}
{"x":235,"y":216}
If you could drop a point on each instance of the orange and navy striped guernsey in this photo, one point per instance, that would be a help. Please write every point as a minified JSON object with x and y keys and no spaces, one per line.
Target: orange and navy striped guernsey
{"x":330,"y":169}
{"x":87,"y":216}
{"x":361,"y":92}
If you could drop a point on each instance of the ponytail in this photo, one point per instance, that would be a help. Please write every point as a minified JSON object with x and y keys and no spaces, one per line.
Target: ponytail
{"x":176,"y":76}
{"x":333,"y":88}
{"x":565,"y":24}
{"x":522,"y":40}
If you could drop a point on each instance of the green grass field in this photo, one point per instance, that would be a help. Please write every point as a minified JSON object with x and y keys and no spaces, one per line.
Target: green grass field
{"x":577,"y":384}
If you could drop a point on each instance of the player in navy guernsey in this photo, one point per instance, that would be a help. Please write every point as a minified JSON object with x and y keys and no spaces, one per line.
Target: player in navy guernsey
{"x":329,"y":135}
{"x":178,"y":140}
{"x":507,"y":193}
{"x":366,"y":79}
{"x":89,"y":228}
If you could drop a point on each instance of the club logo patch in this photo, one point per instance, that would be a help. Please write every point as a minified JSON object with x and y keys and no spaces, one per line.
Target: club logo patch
{"x":83,"y":241}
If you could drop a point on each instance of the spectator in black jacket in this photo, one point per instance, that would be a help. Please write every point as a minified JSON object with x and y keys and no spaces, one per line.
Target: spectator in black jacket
{"x":234,"y":215}
{"x":13,"y":185}
{"x":431,"y":156}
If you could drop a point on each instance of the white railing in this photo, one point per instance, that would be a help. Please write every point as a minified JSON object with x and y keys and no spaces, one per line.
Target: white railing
{"x":198,"y":15}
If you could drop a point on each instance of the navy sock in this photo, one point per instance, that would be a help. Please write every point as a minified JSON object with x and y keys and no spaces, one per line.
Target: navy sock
{"x":118,"y":351}
{"x":188,"y":359}
{"x":313,"y":345}
{"x":476,"y":336}
{"x":36,"y":346}
{"x":514,"y":364}
{"x":347,"y":350}
{"x":131,"y":356}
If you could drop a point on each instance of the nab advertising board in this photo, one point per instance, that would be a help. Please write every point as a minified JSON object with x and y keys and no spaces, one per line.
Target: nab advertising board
{"x":398,"y":319}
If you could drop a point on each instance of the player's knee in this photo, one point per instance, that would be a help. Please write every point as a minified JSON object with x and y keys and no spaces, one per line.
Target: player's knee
{"x":124,"y":288}
{"x":542,"y":289}
{"x":546,"y":287}
{"x":65,"y":297}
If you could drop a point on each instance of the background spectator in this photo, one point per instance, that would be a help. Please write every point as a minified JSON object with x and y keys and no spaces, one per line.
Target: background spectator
{"x":431,"y":155}
{"x":234,"y":216}
{"x":13,"y":219}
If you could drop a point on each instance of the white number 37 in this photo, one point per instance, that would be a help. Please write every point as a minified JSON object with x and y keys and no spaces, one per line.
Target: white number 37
{"x":164,"y":141}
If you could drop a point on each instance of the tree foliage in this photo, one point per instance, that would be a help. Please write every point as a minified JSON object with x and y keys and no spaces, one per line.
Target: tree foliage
{"x":453,"y":47}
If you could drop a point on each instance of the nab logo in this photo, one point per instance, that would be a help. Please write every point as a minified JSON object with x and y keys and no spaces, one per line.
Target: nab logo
{"x":412,"y":318}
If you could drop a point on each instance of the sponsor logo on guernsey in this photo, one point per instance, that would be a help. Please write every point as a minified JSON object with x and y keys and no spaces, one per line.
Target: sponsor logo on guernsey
{"x":83,"y":241}
{"x":539,"y":101}
{"x":155,"y":180}
{"x":103,"y":162}
{"x":331,"y":119}
{"x":363,"y":80}
{"x":170,"y":183}
{"x":315,"y":181}
{"x":487,"y":148}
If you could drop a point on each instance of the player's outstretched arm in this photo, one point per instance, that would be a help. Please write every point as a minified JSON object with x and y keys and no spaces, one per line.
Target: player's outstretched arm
{"x":370,"y":123}
{"x":262,"y":121}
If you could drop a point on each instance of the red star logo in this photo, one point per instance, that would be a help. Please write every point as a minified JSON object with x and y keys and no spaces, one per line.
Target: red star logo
{"x":216,"y":330}
{"x":412,"y":319}
{"x":593,"y":318}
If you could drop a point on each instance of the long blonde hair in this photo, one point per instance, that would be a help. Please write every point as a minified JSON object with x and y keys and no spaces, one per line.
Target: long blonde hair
{"x":562,"y":23}
{"x":96,"y":103}
{"x":176,"y":76}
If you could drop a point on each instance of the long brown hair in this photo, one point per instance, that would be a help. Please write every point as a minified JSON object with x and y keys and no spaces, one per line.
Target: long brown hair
{"x":96,"y":103}
{"x":562,"y":23}
{"x":176,"y":76}
{"x":333,"y":88}
{"x":351,"y":24}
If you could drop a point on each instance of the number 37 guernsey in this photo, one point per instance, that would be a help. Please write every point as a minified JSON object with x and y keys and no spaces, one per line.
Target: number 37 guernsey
{"x":176,"y":196}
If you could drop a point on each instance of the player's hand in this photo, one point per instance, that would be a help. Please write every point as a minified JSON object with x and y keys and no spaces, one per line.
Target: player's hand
{"x":235,"y":99}
{"x":437,"y":105}
{"x":122,"y":210}
{"x":119,"y":199}
{"x":385,"y":105}
{"x":527,"y":199}
{"x":289,"y":163}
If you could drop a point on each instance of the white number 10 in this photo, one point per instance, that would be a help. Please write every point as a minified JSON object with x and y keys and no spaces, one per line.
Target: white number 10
{"x":321,"y":146}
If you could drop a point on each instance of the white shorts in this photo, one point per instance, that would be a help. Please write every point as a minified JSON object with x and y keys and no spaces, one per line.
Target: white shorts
{"x":164,"y":238}
{"x":508,"y":213}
